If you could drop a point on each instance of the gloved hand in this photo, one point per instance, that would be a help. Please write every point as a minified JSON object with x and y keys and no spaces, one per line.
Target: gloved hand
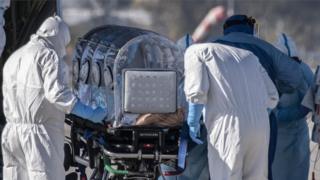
{"x":99,"y":114}
{"x":86,"y":112}
{"x":194,"y":134}
{"x":194,"y":115}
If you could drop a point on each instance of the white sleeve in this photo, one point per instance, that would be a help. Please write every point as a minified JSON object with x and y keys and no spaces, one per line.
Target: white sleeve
{"x":273,"y":96}
{"x":196,"y":77}
{"x":55,"y":91}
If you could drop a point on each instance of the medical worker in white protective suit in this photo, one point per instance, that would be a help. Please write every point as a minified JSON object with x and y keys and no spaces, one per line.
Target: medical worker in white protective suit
{"x":287,"y":75}
{"x":35,"y":103}
{"x":292,"y":154}
{"x":235,"y":91}
{"x":4,"y":4}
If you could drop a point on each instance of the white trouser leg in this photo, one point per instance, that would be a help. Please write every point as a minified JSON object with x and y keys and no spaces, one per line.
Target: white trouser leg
{"x":14,"y":164}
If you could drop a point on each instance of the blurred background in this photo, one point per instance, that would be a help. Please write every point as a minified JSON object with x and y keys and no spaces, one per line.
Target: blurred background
{"x":174,"y":18}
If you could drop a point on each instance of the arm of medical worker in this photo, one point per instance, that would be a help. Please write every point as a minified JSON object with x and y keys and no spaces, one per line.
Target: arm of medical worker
{"x":291,"y":113}
{"x":193,"y":120}
{"x":289,"y":74}
{"x":60,"y":94}
{"x":273,"y":96}
{"x":196,"y":85}
{"x":55,"y":91}
{"x":196,"y":82}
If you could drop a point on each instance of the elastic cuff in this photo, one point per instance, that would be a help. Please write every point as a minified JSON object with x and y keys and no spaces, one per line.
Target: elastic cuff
{"x":197,"y":99}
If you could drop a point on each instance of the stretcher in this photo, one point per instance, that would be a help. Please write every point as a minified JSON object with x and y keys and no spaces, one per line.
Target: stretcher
{"x":130,"y":72}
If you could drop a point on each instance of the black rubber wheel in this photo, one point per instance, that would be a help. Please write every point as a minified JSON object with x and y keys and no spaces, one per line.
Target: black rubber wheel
{"x":72,"y":176}
{"x":68,"y":160}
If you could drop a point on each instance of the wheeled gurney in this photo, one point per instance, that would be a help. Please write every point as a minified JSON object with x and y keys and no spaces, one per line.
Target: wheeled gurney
{"x":130,"y":72}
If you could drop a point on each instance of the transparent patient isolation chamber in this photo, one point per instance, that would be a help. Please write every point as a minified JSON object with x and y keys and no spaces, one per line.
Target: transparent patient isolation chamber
{"x":138,"y":76}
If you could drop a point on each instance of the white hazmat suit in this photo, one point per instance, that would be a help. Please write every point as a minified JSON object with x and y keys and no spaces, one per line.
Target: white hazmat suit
{"x":4,"y":4}
{"x":35,"y":103}
{"x":236,"y":92}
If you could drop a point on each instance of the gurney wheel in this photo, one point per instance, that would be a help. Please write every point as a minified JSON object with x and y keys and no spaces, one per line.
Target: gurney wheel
{"x":67,"y":157}
{"x":72,"y":176}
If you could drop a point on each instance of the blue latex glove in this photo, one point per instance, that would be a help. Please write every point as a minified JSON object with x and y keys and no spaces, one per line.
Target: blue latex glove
{"x":86,"y":112}
{"x":194,"y":114}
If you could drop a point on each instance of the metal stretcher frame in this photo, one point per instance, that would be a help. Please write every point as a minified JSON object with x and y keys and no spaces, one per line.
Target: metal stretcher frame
{"x":89,"y":142}
{"x":89,"y":134}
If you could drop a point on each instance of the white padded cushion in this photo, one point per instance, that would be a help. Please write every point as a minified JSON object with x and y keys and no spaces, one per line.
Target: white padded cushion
{"x":150,"y":91}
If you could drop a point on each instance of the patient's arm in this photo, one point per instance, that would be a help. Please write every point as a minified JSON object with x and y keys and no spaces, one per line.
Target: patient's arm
{"x":162,"y":120}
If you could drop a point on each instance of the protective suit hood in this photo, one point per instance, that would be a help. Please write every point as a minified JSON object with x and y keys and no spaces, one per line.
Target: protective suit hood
{"x":56,"y":32}
{"x":287,"y":45}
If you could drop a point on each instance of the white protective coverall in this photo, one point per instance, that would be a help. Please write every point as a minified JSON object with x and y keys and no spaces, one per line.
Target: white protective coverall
{"x":4,"y":4}
{"x":236,"y":92}
{"x":35,"y":103}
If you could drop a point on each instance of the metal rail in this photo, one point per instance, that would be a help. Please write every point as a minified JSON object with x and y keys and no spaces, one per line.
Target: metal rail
{"x":138,"y":155}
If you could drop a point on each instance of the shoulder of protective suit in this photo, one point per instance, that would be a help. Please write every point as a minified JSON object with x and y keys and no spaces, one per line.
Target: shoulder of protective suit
{"x":204,"y":51}
{"x":203,"y":47}
{"x":46,"y":55}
